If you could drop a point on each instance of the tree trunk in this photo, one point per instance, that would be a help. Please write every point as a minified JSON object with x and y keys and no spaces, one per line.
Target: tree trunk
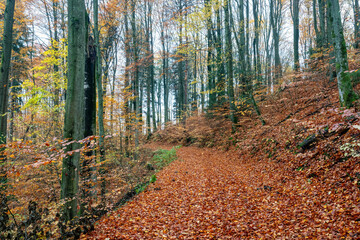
{"x":127,"y":82}
{"x":275,"y":19}
{"x":315,"y":23}
{"x":229,"y":62}
{"x":220,"y":85}
{"x":148,"y":67}
{"x":165,"y":66}
{"x":346,"y":93}
{"x":295,"y":17}
{"x":322,"y":33}
{"x":100,"y":92}
{"x":4,"y":98}
{"x":74,"y":108}
{"x":136,"y":90}
{"x":90,"y":117}
{"x":210,"y":57}
{"x":356,"y":24}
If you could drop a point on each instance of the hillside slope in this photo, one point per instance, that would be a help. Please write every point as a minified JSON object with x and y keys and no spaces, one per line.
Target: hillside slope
{"x":296,"y":177}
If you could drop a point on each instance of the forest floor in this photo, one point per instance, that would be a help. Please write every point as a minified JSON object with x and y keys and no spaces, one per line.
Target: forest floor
{"x":297,"y":177}
{"x":213,"y":194}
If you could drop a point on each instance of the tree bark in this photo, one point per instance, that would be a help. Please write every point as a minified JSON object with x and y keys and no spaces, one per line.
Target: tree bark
{"x":356,"y":25}
{"x":220,"y":85}
{"x":346,"y":93}
{"x":210,"y":57}
{"x":295,"y":17}
{"x":74,"y":108}
{"x":275,"y":19}
{"x":4,"y":98}
{"x":229,"y":62}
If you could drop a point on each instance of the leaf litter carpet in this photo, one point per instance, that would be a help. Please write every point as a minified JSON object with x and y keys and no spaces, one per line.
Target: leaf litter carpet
{"x":211,"y":194}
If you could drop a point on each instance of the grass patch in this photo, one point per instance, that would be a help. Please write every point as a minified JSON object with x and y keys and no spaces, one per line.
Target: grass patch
{"x":163,"y":157}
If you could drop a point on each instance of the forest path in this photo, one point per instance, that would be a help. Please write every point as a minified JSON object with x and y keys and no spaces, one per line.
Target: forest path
{"x":210,"y":194}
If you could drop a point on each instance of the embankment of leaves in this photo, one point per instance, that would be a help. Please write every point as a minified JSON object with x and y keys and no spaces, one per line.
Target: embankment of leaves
{"x":306,"y":130}
{"x":34,"y":213}
{"x":160,"y":159}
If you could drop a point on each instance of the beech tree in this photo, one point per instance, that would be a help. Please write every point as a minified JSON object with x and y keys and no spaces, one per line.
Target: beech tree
{"x":346,"y":92}
{"x":295,"y":16}
{"x":4,"y":99}
{"x":356,"y":24}
{"x":74,"y":108}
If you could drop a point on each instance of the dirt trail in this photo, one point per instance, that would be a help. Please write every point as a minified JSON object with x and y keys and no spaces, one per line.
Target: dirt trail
{"x":209,"y":194}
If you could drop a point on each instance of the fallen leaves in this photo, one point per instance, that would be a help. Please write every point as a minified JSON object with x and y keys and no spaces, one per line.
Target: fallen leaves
{"x":215,"y":195}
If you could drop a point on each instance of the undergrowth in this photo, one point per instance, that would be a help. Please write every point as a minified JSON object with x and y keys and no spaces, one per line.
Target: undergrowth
{"x":164,"y":157}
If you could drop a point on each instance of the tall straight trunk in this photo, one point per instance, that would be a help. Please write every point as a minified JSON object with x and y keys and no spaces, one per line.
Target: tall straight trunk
{"x":100,"y":92}
{"x":242,"y":47}
{"x":202,"y":84}
{"x":322,"y":20}
{"x":329,"y":33}
{"x":194,"y":100}
{"x":275,"y":20}
{"x":229,"y":62}
{"x":152,"y":72}
{"x":181,"y":72}
{"x":88,"y":170}
{"x":346,"y":93}
{"x":136,"y":86}
{"x":5,"y":68}
{"x":247,"y":36}
{"x":164,"y":68}
{"x":295,"y":17}
{"x":317,"y":33}
{"x":4,"y":98}
{"x":148,"y":66}
{"x":210,"y":57}
{"x":220,"y":85}
{"x":56,"y":48}
{"x":74,"y":108}
{"x":112,"y":91}
{"x":55,"y":44}
{"x":356,"y":24}
{"x":127,"y":81}
{"x":257,"y":64}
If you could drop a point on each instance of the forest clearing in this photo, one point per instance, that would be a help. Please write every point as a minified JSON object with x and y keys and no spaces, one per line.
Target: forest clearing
{"x":185,"y":119}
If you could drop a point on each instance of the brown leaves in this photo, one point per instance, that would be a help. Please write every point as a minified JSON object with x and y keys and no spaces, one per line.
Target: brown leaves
{"x":214,"y":195}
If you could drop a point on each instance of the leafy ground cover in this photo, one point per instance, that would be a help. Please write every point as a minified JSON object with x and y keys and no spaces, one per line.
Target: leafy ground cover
{"x":209,"y":194}
{"x":297,"y":177}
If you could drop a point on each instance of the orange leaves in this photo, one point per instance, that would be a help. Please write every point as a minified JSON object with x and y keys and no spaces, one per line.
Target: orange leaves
{"x":210,"y":194}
